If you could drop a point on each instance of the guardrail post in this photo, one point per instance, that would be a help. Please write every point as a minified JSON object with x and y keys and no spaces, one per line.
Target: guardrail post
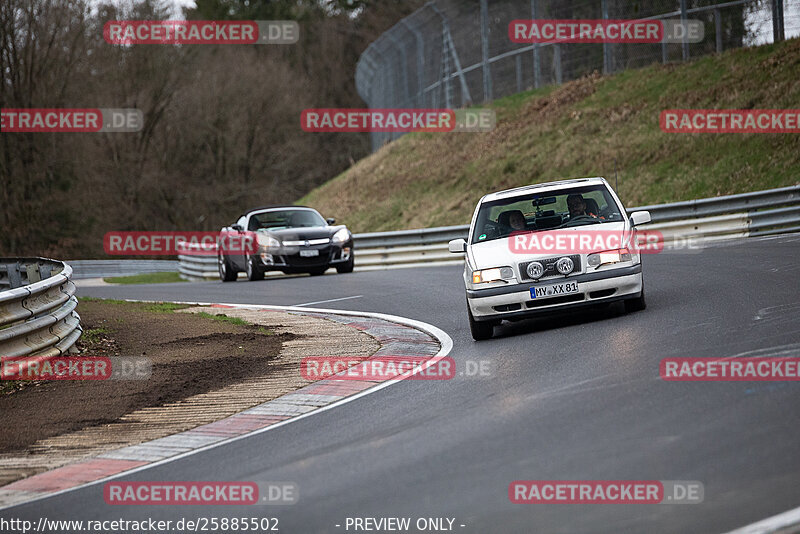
{"x":14,"y":276}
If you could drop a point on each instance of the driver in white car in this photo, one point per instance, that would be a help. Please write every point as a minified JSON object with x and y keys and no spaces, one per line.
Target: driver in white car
{"x":577,"y":206}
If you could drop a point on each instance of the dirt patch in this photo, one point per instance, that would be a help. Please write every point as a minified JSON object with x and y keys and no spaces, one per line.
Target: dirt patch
{"x":217,"y":364}
{"x":191,"y":354}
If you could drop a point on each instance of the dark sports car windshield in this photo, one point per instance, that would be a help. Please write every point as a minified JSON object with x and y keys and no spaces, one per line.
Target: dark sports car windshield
{"x":279,"y":220}
{"x":565,"y":208}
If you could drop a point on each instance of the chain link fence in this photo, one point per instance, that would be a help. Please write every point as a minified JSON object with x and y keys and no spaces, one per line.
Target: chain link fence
{"x":456,"y":53}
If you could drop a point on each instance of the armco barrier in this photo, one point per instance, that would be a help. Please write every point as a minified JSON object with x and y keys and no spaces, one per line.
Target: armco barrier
{"x":37,"y":308}
{"x":109,"y":268}
{"x":728,"y":217}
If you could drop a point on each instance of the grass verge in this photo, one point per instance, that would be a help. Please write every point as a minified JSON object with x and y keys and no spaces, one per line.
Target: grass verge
{"x":149,"y":278}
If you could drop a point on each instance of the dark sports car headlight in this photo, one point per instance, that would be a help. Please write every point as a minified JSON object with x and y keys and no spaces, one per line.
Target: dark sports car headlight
{"x":341,"y":236}
{"x":268,"y":241}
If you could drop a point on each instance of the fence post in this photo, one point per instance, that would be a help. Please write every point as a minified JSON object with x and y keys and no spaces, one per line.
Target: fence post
{"x":537,"y":65}
{"x":487,"y":74}
{"x":448,"y":87}
{"x":385,"y":96}
{"x":449,"y":46}
{"x":606,"y":45}
{"x":777,"y":21}
{"x":404,"y":58}
{"x":557,"y":63}
{"x":420,"y":63}
{"x":684,"y":43}
{"x":518,"y":64}
{"x":718,"y":29}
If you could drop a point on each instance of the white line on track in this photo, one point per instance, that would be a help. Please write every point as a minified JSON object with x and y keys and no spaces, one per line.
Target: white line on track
{"x":445,"y":341}
{"x":774,"y":524}
{"x":329,"y":300}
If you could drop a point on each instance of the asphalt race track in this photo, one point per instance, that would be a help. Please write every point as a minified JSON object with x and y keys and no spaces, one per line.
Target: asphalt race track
{"x":572,"y":398}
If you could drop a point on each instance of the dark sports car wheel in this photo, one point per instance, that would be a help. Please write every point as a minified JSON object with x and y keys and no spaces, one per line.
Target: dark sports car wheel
{"x":226,"y":272}
{"x":346,"y":267}
{"x":253,"y":271}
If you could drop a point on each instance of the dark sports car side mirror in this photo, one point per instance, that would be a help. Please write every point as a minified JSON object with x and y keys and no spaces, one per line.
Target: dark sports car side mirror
{"x":237,"y":227}
{"x":330,"y":221}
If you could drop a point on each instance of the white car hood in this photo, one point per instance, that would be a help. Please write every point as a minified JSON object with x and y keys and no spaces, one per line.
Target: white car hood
{"x":498,"y":253}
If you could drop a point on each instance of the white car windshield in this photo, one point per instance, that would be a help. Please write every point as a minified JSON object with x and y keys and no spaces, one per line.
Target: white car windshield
{"x":282,"y":219}
{"x":565,"y":208}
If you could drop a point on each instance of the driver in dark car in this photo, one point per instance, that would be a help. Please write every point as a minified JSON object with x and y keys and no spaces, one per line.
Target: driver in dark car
{"x":577,"y":206}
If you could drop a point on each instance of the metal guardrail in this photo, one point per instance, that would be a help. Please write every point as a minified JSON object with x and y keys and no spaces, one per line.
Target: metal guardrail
{"x":198,"y":267}
{"x":728,"y":217}
{"x":37,"y":308}
{"x":107,"y":268}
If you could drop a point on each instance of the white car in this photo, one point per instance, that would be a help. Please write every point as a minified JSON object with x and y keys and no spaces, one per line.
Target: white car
{"x":547,"y":247}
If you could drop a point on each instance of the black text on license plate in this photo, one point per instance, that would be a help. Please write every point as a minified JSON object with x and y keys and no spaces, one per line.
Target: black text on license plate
{"x":554,"y":290}
{"x":309,"y":253}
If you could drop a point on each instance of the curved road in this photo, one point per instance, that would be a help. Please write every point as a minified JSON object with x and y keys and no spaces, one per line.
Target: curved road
{"x":577,"y":397}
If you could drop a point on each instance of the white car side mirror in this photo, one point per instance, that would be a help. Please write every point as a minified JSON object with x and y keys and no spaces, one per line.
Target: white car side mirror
{"x":640,"y":217}
{"x":457,"y":246}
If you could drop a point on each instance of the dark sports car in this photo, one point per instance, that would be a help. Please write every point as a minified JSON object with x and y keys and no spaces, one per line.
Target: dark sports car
{"x":292,"y":239}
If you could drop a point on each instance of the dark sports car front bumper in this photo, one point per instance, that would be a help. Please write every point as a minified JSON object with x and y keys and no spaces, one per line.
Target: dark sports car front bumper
{"x":298,"y":259}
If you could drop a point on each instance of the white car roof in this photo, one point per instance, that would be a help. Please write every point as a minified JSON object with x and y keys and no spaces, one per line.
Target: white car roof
{"x":543,"y":187}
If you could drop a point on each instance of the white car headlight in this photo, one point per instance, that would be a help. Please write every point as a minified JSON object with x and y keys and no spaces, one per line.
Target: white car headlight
{"x":492,"y":275}
{"x":267,"y":241}
{"x":608,"y":256}
{"x":341,"y":236}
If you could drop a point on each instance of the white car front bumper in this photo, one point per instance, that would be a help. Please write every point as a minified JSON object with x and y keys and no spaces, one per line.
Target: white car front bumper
{"x":594,"y":288}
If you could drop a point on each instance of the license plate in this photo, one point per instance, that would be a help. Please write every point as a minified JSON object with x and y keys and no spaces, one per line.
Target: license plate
{"x":309,"y":253}
{"x":554,"y":290}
